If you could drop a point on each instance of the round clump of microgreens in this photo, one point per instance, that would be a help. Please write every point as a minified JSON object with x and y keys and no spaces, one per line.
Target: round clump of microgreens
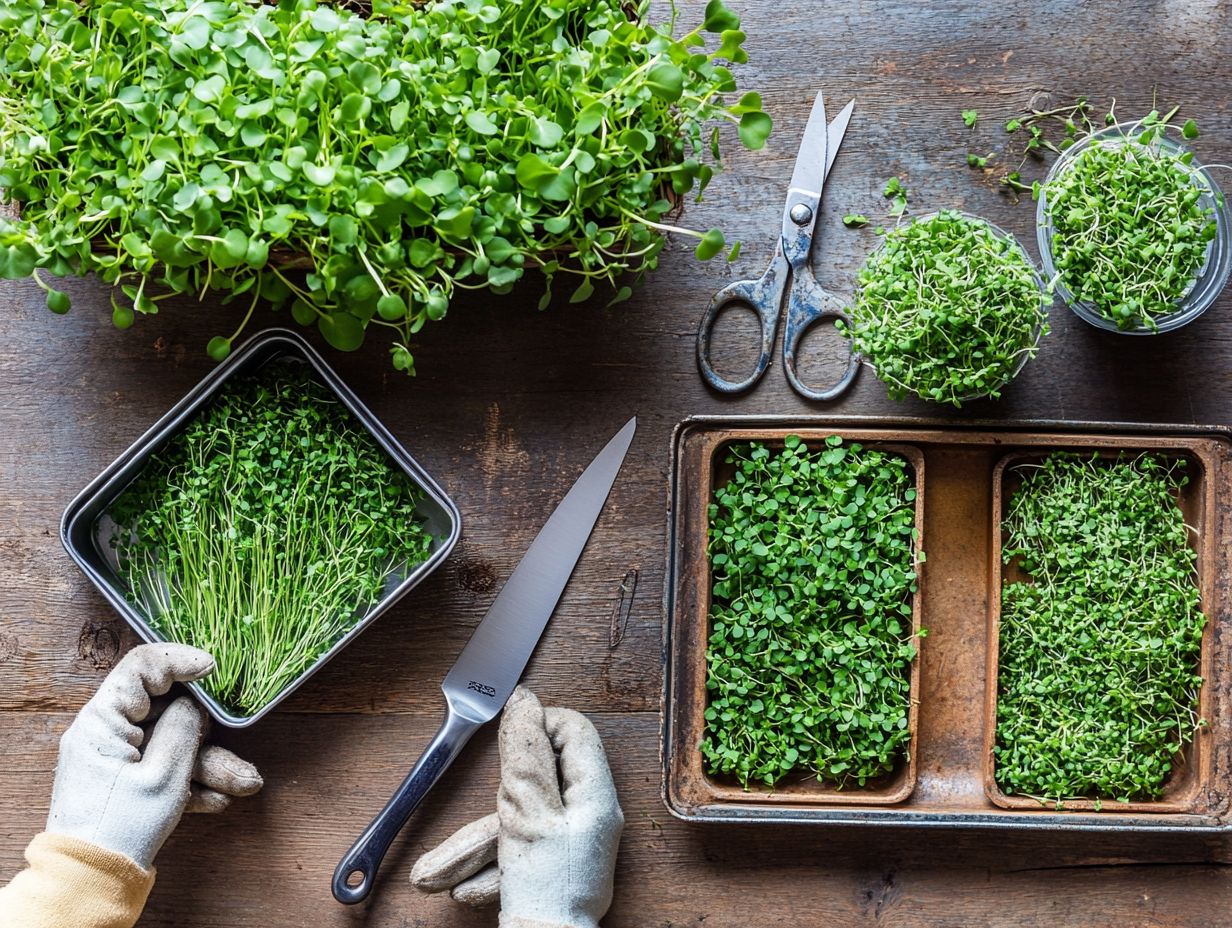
{"x":1097,"y":684}
{"x":947,"y":309}
{"x":813,"y":563}
{"x":264,"y":530}
{"x":355,"y":169}
{"x":1129,"y":221}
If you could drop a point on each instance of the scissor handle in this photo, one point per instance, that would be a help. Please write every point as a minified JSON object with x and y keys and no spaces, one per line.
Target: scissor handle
{"x":807,"y":305}
{"x":764,"y":296}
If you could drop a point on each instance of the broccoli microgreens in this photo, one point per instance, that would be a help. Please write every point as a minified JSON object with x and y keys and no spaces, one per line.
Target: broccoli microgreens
{"x":264,"y":530}
{"x":1097,"y":689}
{"x":970,"y":118}
{"x":947,"y":309}
{"x":356,"y":169}
{"x":814,"y":565}
{"x":1129,"y":227}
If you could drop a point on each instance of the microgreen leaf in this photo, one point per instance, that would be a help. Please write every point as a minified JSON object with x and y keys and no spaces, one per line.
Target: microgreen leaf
{"x":342,"y":330}
{"x":719,"y":17}
{"x":710,"y":245}
{"x":969,"y":118}
{"x":755,"y":129}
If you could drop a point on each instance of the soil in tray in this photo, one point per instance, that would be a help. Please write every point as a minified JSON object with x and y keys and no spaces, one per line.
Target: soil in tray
{"x":1099,"y":632}
{"x":811,"y":620}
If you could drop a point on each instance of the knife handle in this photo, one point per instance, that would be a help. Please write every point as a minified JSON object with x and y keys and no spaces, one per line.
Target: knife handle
{"x":356,"y":872}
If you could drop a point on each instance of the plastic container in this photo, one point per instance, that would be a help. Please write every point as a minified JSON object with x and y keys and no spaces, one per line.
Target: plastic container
{"x":1211,"y":277}
{"x":1045,"y":302}
{"x":86,"y":528}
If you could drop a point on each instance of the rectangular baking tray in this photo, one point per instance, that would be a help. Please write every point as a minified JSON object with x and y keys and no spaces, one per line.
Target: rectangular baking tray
{"x":960,"y":583}
{"x":85,"y":535}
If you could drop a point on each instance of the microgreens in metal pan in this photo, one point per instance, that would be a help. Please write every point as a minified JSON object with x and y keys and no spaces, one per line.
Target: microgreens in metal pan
{"x":265,"y":530}
{"x":813,"y":558}
{"x":1097,"y":685}
{"x":358,"y":170}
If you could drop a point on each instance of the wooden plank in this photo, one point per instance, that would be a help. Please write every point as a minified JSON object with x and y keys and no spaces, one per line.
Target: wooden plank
{"x":511,"y":403}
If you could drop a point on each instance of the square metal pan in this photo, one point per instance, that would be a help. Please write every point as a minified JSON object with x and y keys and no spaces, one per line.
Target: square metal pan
{"x":957,"y":591}
{"x":82,"y":539}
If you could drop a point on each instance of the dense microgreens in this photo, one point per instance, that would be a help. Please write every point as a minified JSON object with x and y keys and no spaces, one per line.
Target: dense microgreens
{"x":264,"y":529}
{"x":947,"y":309}
{"x":1097,"y":690}
{"x":814,"y":566}
{"x":1130,"y":230}
{"x":358,"y":169}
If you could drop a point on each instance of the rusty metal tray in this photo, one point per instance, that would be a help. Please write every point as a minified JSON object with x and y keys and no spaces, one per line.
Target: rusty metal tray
{"x":949,"y":780}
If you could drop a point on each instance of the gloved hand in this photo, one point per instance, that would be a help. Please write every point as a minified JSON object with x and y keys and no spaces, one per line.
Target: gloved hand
{"x":123,"y":788}
{"x":556,"y":848}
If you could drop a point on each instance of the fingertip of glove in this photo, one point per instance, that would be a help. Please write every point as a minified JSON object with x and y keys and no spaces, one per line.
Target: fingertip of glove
{"x":181,"y":661}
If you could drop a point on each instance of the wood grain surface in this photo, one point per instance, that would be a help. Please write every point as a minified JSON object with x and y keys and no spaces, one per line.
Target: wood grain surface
{"x":511,"y":403}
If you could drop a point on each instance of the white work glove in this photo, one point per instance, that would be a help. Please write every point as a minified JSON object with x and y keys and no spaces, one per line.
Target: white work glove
{"x":555,"y":831}
{"x":124,"y":788}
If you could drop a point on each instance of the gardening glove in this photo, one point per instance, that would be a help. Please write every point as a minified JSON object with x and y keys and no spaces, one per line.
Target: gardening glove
{"x":554,"y":834}
{"x":121,"y":787}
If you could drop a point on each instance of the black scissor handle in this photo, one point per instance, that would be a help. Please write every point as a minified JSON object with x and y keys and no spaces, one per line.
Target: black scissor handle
{"x":764,"y":296}
{"x":807,"y":305}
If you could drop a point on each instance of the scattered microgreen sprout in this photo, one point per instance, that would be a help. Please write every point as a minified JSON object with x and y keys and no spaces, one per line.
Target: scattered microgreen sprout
{"x":947,"y":309}
{"x":970,"y":118}
{"x":855,"y":220}
{"x":813,"y":558}
{"x":264,"y":530}
{"x":896,"y":193}
{"x":358,"y":170}
{"x":1097,"y":689}
{"x":978,"y":161}
{"x":1129,"y":226}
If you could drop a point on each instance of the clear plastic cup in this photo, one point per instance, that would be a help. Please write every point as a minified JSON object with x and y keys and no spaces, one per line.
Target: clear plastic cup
{"x":1211,"y":276}
{"x":1028,"y":351}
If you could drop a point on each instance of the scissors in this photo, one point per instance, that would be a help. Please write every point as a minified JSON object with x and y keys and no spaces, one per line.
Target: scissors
{"x":807,"y":301}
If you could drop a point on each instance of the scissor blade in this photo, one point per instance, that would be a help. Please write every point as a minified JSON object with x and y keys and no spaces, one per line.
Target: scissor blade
{"x":835,"y":132}
{"x":811,"y":162}
{"x":490,"y":665}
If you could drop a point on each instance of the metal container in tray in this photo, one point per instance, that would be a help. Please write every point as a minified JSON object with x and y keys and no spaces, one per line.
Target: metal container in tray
{"x":970,"y":474}
{"x":85,"y":528}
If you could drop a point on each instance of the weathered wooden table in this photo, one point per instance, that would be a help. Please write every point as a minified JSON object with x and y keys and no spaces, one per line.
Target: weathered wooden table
{"x":509,"y":406}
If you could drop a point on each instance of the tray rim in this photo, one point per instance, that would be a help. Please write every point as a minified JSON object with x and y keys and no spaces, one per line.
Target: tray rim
{"x":1195,"y":825}
{"x":170,"y":422}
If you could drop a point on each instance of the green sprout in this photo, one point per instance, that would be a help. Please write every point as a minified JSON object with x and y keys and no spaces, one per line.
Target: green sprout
{"x":264,"y":530}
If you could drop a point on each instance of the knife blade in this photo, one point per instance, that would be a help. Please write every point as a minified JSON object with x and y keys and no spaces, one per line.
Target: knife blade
{"x":489,"y":667}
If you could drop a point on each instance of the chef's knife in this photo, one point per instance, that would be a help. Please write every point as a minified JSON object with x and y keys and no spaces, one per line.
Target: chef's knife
{"x":489,"y":667}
